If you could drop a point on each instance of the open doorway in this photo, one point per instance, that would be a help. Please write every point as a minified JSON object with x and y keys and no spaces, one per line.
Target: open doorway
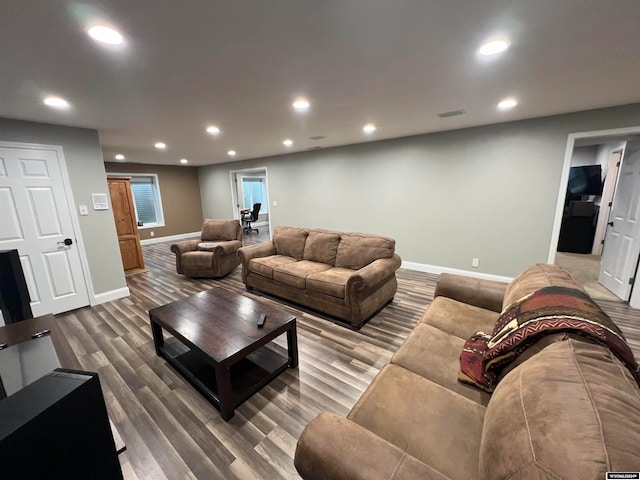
{"x":587,"y":193}
{"x":248,"y":188}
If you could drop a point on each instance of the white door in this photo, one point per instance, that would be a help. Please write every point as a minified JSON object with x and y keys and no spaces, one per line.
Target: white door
{"x":606,"y":202}
{"x":35,"y":219}
{"x":622,"y":240}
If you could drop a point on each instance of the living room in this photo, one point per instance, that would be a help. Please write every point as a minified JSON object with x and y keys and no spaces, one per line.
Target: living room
{"x":447,"y":192}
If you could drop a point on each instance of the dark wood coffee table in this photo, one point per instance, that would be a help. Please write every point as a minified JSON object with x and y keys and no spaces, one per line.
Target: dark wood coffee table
{"x":219,"y":349}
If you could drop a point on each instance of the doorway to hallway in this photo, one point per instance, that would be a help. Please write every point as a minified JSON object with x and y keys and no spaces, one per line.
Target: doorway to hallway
{"x":618,"y":256}
{"x":249,"y":187}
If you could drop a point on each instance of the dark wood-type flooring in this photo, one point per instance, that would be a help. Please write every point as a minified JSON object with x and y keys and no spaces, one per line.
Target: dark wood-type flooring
{"x":171,"y":432}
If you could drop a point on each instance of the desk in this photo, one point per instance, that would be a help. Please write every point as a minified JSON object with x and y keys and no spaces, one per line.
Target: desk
{"x":24,"y":330}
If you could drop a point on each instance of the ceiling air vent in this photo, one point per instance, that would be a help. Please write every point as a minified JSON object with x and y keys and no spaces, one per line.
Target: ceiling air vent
{"x":317,"y":137}
{"x":452,"y":113}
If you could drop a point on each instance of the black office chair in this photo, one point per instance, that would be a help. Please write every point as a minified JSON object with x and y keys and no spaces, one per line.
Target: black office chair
{"x":251,"y":216}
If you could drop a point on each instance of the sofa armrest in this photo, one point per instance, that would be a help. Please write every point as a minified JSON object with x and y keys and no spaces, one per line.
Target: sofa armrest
{"x":487,"y":294}
{"x":332,"y":447}
{"x":371,"y":276}
{"x":182,"y":247}
{"x":264,"y":249}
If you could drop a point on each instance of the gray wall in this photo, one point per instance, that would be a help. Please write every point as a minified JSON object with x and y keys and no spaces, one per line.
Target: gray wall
{"x":487,"y":192}
{"x":85,"y":165}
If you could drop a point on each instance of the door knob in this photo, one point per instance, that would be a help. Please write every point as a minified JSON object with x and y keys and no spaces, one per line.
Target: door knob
{"x":610,"y":224}
{"x":67,"y":242}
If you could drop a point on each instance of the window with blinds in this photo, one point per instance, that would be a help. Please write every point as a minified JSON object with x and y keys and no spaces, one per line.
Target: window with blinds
{"x":145,"y":200}
{"x":146,"y":197}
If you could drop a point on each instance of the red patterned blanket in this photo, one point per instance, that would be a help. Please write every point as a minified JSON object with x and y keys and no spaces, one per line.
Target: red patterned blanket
{"x":545,"y":311}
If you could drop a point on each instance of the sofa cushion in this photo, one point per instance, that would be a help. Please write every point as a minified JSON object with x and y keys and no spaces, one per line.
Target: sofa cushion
{"x":536,"y":277}
{"x":264,"y":265}
{"x":321,"y":247}
{"x":330,"y":282}
{"x":433,"y":354}
{"x":289,"y":241}
{"x":571,"y":411}
{"x":357,"y":250}
{"x":219,"y":230}
{"x":295,"y":274}
{"x":459,"y":319}
{"x":411,"y":412}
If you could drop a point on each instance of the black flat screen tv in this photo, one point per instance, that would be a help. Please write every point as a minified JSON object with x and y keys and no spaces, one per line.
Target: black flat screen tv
{"x":585,"y":180}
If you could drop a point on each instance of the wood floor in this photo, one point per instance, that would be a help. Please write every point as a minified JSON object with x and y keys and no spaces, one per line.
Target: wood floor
{"x":171,"y":432}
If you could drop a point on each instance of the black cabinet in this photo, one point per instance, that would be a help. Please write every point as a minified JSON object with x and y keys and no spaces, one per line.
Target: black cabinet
{"x":57,"y":427}
{"x":14,"y":295}
{"x":578,"y":227}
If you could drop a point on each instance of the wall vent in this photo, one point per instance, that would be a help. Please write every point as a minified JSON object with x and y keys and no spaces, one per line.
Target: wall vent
{"x":452,"y":113}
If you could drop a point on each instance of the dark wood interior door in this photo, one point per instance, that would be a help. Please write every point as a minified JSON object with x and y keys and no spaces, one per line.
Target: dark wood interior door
{"x":126,"y":225}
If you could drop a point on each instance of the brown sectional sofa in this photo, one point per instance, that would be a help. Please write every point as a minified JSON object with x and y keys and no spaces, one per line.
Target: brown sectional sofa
{"x":350,"y":276}
{"x":567,"y":408}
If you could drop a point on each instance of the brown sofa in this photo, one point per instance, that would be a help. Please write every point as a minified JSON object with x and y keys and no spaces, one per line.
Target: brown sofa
{"x":350,"y":276}
{"x":567,"y":408}
{"x":214,"y":255}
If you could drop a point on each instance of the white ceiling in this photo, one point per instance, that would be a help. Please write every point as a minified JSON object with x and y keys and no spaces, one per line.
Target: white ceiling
{"x":240,"y":64}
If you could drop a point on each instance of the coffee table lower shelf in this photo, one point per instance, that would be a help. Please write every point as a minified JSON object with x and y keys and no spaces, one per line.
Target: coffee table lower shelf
{"x":247,"y":376}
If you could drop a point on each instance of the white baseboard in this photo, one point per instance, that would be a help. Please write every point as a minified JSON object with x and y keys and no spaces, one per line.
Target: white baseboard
{"x":423,"y":267}
{"x":110,"y":295}
{"x":170,"y":238}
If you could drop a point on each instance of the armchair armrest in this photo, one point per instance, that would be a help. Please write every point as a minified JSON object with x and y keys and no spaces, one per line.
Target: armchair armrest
{"x":182,"y":247}
{"x":333,"y":447}
{"x":185,"y":246}
{"x":226,"y":248}
{"x":371,"y":276}
{"x":487,"y":294}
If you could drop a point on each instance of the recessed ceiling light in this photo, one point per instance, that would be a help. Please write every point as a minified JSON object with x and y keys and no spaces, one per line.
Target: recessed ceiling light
{"x":369,"y":128}
{"x":494,"y":47}
{"x":507,"y":104}
{"x":301,"y":105}
{"x":160,"y":145}
{"x":56,"y":102}
{"x":288,"y":142}
{"x":106,"y":35}
{"x":119,"y":157}
{"x":231,"y":153}
{"x":213,"y":130}
{"x":184,"y":160}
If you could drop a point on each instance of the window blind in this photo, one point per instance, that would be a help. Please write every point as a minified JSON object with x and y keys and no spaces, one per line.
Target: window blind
{"x":145,"y":200}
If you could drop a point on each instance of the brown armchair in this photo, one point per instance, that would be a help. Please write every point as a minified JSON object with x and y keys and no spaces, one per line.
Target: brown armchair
{"x":214,"y":254}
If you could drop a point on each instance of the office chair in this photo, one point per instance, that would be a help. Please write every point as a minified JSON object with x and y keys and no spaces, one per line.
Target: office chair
{"x":251,"y":216}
